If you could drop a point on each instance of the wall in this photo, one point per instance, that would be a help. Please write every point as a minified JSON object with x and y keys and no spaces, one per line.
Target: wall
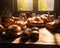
{"x":6,"y":4}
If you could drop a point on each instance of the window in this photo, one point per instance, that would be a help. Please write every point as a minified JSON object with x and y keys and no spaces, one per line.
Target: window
{"x":45,"y":5}
{"x":24,"y":5}
{"x":35,"y":5}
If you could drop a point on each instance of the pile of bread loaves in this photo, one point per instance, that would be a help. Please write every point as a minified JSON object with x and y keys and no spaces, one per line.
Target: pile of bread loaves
{"x":40,"y":20}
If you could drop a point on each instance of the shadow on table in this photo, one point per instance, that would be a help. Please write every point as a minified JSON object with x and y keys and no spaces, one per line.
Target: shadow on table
{"x":7,"y":39}
{"x":54,"y":32}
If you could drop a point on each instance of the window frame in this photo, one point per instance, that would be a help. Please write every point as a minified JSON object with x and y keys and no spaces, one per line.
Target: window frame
{"x":35,"y":8}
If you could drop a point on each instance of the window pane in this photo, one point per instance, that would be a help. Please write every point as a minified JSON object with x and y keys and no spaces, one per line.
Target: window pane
{"x":24,"y":5}
{"x":45,"y":5}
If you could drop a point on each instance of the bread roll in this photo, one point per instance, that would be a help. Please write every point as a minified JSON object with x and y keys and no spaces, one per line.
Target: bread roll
{"x":53,"y":26}
{"x":7,"y":22}
{"x":13,"y":30}
{"x":34,"y":36}
{"x":26,"y":35}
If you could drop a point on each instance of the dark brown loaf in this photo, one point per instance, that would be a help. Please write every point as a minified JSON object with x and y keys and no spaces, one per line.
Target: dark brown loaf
{"x":26,"y":35}
{"x":53,"y":26}
{"x":34,"y":36}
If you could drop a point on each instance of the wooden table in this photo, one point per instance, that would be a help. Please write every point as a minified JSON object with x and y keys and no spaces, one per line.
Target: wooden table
{"x":45,"y":37}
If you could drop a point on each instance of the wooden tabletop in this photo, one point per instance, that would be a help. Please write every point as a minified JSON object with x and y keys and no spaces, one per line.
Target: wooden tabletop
{"x":45,"y":37}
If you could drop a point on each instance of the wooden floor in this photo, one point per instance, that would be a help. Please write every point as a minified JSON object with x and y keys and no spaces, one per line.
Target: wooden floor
{"x":46,"y":37}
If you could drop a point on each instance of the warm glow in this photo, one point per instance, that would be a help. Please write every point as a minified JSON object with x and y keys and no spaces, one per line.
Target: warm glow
{"x":3,"y":33}
{"x":25,"y":5}
{"x":45,"y":5}
{"x":19,"y":33}
{"x":42,"y":5}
